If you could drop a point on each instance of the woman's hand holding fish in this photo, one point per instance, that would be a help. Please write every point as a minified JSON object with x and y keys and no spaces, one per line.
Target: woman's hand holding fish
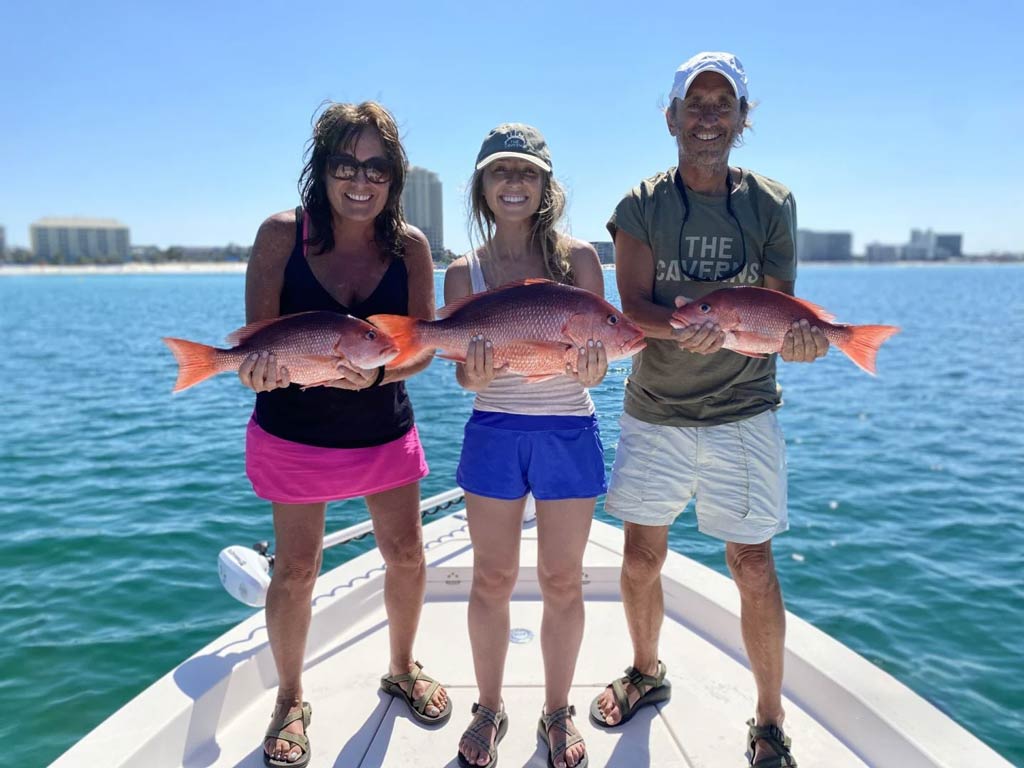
{"x":259,"y":372}
{"x":803,"y":343}
{"x":352,"y":377}
{"x":479,"y":367}
{"x":591,"y":366}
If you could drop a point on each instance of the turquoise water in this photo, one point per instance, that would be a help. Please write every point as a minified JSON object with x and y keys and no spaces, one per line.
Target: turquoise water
{"x":905,"y":491}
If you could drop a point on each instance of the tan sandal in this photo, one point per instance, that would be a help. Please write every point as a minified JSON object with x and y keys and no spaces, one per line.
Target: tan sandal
{"x":653,"y":689}
{"x":392,"y":684}
{"x":483,"y":718}
{"x":557,"y":719}
{"x":276,"y":730}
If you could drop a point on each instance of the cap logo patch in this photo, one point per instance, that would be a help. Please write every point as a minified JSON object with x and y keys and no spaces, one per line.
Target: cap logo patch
{"x":515,"y":140}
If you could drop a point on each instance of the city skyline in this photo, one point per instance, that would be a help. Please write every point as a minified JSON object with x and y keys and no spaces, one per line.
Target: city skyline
{"x":875,"y":129}
{"x":78,"y":240}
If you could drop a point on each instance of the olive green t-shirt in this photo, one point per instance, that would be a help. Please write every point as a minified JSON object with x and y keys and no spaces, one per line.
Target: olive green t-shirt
{"x":678,"y":388}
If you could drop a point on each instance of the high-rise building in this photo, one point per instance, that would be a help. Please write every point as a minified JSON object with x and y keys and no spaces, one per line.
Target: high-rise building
{"x":3,"y":243}
{"x":881,"y":252}
{"x":71,"y":239}
{"x":926,"y":245}
{"x":605,"y":251}
{"x":823,"y":246}
{"x":421,"y":200}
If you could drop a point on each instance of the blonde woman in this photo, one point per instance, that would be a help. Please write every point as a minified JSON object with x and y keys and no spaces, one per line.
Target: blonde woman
{"x":526,"y":437}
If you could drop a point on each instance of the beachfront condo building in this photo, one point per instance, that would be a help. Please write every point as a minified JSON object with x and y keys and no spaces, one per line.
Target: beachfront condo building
{"x":421,"y":201}
{"x":71,"y":240}
{"x":823,"y":246}
{"x":605,"y":251}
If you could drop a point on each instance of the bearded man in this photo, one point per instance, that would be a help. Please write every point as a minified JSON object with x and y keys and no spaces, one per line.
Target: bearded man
{"x":699,"y":421}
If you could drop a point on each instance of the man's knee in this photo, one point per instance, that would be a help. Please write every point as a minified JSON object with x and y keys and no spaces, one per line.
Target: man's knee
{"x":644,"y":554}
{"x":753,"y":568}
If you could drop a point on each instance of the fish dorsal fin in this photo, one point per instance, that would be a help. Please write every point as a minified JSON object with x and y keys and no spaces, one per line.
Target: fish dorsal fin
{"x":820,"y":312}
{"x":452,"y":307}
{"x":246,"y":332}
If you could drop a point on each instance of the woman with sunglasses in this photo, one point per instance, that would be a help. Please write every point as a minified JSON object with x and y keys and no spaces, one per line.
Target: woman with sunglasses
{"x":347,"y":249}
{"x":524,"y":437}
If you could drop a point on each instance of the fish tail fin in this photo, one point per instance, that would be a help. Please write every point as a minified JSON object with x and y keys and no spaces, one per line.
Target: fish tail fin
{"x":196,"y":362}
{"x":863,"y":342}
{"x":406,"y":332}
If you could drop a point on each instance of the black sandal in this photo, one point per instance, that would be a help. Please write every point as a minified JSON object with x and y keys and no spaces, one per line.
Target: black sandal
{"x":776,"y":739}
{"x":654,"y":689}
{"x":482,"y":718}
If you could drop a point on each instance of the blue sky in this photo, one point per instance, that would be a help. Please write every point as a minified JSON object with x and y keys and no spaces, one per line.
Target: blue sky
{"x":188,"y":121}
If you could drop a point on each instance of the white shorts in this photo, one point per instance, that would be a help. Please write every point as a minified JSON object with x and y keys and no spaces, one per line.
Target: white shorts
{"x":737,"y":472}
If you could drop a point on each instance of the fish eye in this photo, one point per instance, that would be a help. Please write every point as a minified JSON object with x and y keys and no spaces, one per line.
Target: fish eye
{"x":612,"y":320}
{"x":371,"y":335}
{"x":705,"y":307}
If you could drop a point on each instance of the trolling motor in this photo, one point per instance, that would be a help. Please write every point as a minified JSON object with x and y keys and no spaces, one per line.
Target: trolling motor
{"x":245,"y":572}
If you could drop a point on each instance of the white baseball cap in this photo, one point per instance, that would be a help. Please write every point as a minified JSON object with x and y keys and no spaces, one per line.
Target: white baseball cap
{"x":725,"y":64}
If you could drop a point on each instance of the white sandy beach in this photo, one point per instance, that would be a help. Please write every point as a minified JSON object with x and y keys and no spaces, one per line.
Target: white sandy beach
{"x":130,"y":268}
{"x":184,"y":267}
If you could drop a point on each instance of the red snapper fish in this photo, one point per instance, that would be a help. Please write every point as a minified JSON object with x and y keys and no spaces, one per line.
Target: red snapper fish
{"x":308,"y":344}
{"x":536,"y":327}
{"x":755,"y":320}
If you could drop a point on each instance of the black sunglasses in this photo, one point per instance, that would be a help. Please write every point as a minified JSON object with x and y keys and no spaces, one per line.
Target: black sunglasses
{"x":345,"y":167}
{"x":721,"y":268}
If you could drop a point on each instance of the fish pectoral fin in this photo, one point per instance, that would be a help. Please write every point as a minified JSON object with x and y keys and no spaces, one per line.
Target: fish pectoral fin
{"x":458,"y":358}
{"x":545,"y":347}
{"x":304,"y":387}
{"x":331,"y":360}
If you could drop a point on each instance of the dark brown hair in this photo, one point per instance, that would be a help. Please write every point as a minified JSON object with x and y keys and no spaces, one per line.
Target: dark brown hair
{"x":338,"y":128}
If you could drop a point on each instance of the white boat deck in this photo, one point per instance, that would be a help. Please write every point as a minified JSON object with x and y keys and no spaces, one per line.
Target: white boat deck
{"x":841,"y":710}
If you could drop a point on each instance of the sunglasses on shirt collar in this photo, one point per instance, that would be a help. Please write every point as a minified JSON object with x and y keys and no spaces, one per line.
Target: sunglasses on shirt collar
{"x":715,"y":270}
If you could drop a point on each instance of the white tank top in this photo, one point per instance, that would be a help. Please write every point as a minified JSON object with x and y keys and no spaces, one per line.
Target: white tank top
{"x":512,"y":393}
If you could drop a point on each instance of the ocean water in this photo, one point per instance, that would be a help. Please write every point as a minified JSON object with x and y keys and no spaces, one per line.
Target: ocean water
{"x":906,"y":490}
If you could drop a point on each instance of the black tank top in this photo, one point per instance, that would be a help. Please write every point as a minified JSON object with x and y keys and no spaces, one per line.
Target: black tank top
{"x":325,"y":416}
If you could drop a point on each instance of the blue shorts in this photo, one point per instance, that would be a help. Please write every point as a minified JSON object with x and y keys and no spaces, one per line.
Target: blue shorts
{"x":507,"y":455}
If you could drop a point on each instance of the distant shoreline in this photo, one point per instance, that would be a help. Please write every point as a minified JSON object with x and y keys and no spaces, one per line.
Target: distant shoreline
{"x":130,"y":268}
{"x":221,"y":267}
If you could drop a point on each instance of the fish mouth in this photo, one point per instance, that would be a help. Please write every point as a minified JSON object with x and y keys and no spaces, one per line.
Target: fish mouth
{"x":634,"y":345}
{"x":386,"y":356}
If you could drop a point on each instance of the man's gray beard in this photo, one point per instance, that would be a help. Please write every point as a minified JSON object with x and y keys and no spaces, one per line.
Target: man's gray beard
{"x":711,"y":166}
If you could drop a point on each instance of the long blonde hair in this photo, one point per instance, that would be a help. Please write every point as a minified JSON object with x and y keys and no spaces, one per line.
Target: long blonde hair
{"x":544,"y":234}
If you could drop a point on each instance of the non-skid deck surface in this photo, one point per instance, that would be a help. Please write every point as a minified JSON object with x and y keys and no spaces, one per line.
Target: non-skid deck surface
{"x":354,"y":724}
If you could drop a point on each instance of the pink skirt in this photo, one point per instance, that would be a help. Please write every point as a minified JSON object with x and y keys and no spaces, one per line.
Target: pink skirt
{"x":294,"y":473}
